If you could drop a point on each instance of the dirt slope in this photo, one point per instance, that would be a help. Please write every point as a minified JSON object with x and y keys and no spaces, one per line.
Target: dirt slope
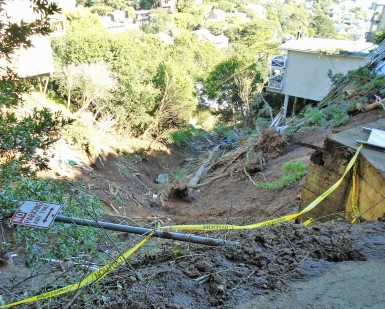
{"x":331,"y":265}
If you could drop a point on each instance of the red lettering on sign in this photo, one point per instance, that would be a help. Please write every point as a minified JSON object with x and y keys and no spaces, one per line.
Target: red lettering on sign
{"x":18,"y":217}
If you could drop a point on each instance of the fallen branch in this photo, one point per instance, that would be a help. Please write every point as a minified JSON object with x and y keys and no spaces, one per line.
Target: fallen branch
{"x":373,"y":105}
{"x":195,"y":179}
{"x":209,"y":181}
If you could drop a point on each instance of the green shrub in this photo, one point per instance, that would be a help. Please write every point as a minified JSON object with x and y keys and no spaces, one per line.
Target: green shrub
{"x":292,"y":171}
{"x":60,"y":240}
{"x":336,"y":115}
{"x":180,"y":175}
{"x":178,"y":137}
{"x":379,"y":36}
{"x":313,"y":116}
{"x":222,"y":129}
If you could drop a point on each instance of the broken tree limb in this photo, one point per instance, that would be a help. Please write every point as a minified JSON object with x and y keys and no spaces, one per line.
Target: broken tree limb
{"x":209,"y":181}
{"x":373,"y":105}
{"x":195,"y":179}
{"x":185,"y":192}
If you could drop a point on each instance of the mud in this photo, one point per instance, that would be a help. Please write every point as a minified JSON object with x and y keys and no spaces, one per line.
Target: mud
{"x":327,"y":265}
{"x":330,"y":265}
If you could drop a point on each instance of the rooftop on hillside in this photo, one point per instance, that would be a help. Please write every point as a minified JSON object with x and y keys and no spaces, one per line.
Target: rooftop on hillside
{"x":329,"y":46}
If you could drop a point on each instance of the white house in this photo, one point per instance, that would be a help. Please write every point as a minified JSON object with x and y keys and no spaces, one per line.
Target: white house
{"x":302,"y":69}
{"x":66,"y":5}
{"x":142,"y":16}
{"x":165,"y":38}
{"x":169,"y":5}
{"x":216,"y":15}
{"x":31,"y":61}
{"x":220,"y":41}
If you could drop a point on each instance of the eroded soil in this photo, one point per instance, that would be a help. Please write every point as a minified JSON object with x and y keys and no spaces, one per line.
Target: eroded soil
{"x":282,"y":266}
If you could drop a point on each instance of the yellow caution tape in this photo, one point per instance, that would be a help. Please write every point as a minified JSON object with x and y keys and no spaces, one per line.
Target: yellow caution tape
{"x":205,"y":227}
{"x":308,"y":222}
{"x":102,"y":272}
{"x":356,"y":210}
{"x":93,"y":277}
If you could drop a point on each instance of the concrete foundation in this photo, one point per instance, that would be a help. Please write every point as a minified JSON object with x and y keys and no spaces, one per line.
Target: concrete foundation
{"x":328,"y":166}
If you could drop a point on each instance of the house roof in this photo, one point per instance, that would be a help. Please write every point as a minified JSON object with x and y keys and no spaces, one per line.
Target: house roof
{"x":218,"y":40}
{"x":165,"y":38}
{"x":329,"y":46}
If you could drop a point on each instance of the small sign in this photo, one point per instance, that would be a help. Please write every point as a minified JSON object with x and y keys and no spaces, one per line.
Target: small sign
{"x":36,"y":214}
{"x":377,"y":137}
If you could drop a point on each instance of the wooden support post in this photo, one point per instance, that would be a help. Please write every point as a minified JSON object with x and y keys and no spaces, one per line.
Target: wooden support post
{"x":294,"y":106}
{"x":46,"y":85}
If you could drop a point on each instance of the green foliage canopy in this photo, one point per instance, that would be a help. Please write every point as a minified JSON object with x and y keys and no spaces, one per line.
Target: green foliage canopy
{"x":323,"y":26}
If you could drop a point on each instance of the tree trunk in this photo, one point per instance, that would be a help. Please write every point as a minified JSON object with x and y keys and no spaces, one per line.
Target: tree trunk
{"x":195,"y":179}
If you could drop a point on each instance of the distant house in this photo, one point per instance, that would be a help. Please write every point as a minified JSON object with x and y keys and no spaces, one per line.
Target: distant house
{"x":216,"y":15}
{"x":117,"y":16}
{"x":220,"y":41}
{"x":241,"y":16}
{"x":142,"y":16}
{"x":169,"y":5}
{"x":118,"y":21}
{"x":66,"y":5}
{"x":301,"y":71}
{"x":259,"y":10}
{"x":165,"y":38}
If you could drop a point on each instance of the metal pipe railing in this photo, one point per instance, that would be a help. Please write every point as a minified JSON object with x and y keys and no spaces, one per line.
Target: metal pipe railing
{"x":143,"y":231}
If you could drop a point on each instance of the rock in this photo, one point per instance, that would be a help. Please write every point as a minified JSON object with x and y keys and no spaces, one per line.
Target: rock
{"x":162,"y":178}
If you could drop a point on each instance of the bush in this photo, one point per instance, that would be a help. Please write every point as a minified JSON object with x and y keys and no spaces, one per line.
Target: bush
{"x":179,"y":137}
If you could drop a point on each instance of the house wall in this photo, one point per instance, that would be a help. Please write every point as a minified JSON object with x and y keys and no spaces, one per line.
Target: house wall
{"x":306,"y":73}
{"x":36,"y":60}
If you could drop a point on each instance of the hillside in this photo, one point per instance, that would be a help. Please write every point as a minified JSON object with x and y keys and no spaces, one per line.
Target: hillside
{"x":271,"y":267}
{"x":135,"y":143}
{"x":278,"y":266}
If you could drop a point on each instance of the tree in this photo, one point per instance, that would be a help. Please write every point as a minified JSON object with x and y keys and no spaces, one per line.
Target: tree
{"x":324,"y":7}
{"x":323,"y":27}
{"x":157,"y":21}
{"x":135,"y":57}
{"x":86,"y":41}
{"x":91,"y":86}
{"x":185,"y":5}
{"x":175,"y":102}
{"x":254,"y":32}
{"x":379,"y":36}
{"x":289,"y":17}
{"x":233,"y":84}
{"x":66,"y":81}
{"x":244,"y":82}
{"x":22,"y":136}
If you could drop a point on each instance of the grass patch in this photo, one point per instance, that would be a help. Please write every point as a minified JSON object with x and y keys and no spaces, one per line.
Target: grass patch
{"x":292,"y":171}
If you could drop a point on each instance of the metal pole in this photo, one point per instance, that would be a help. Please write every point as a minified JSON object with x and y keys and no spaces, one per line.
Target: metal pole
{"x":142,"y":231}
